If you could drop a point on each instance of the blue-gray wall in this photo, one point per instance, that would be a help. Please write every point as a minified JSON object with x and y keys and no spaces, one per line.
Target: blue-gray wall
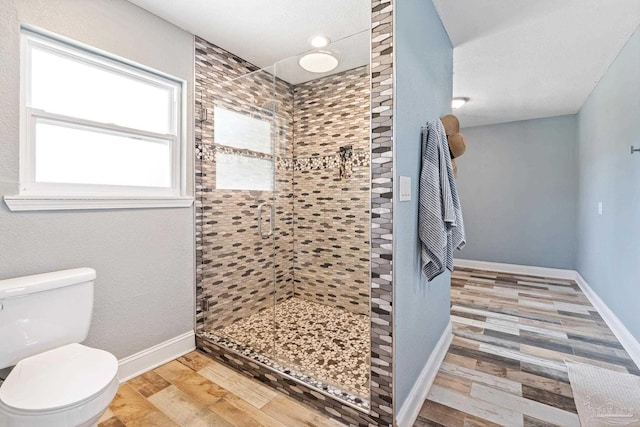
{"x":518,"y":187}
{"x":608,"y":255}
{"x":424,"y":74}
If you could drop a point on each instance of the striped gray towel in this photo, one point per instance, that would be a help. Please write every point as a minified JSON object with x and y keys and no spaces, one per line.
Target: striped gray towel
{"x":440,"y":227}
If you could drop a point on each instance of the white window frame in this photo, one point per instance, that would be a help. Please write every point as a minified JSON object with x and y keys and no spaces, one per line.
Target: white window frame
{"x":56,"y":196}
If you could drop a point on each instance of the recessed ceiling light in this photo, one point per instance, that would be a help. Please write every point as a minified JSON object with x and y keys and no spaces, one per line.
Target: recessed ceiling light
{"x":458,"y":102}
{"x":320,"y":41}
{"x":318,"y":62}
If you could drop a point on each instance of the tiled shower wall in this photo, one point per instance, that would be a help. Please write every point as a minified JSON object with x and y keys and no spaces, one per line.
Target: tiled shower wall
{"x":382,"y":343}
{"x":234,"y":264}
{"x":331,"y":212}
{"x":328,"y":251}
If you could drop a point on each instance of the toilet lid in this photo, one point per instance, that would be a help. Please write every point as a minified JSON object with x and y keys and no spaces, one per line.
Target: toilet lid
{"x":57,"y":378}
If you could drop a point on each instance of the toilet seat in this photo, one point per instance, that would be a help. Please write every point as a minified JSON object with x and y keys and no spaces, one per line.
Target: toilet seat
{"x":69,"y":385}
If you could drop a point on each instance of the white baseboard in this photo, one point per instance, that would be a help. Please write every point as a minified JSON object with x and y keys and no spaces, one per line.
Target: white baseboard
{"x":628,"y":341}
{"x":152,"y":357}
{"x":411,"y":408}
{"x":557,"y":273}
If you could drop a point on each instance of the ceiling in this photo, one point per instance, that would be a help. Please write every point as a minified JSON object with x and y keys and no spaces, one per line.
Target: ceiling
{"x":265,"y":32}
{"x":514,"y":59}
{"x":526,"y":59}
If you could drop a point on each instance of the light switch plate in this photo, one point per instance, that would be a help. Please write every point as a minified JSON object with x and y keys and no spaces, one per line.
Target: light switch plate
{"x":404,"y":188}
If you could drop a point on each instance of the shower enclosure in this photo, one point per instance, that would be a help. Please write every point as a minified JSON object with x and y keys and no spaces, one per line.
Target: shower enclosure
{"x":283,"y":221}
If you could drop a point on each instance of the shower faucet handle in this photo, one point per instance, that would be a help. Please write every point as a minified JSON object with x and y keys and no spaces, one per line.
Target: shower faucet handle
{"x":260,"y":206}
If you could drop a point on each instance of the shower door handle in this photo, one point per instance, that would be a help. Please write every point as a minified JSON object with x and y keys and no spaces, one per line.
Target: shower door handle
{"x":260,"y":206}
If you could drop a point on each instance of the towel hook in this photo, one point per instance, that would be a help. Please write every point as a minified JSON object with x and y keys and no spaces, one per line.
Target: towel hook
{"x":634,"y":150}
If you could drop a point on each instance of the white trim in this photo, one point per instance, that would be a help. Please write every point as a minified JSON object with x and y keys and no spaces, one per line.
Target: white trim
{"x":628,"y":341}
{"x":411,"y":408}
{"x":557,"y":273}
{"x":45,"y":36}
{"x":152,"y":357}
{"x":34,"y":38}
{"x":110,"y":128}
{"x":30,"y":203}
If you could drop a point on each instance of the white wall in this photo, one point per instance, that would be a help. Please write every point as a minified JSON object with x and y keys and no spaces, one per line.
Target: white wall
{"x":144,"y":258}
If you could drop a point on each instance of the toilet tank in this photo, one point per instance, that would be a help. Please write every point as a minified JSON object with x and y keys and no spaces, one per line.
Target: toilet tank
{"x":43,"y":312}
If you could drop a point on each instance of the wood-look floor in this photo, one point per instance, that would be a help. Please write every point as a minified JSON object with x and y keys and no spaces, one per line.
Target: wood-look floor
{"x":197,"y":391}
{"x":505,"y":365}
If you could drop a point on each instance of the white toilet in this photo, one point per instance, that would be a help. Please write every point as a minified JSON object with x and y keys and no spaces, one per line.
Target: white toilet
{"x":55,"y":381}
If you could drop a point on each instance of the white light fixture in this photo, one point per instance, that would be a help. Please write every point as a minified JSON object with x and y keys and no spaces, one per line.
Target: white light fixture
{"x":320,"y":41}
{"x":458,"y":102}
{"x":318,"y":62}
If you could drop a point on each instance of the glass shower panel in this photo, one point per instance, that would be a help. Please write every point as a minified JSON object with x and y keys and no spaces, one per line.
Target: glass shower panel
{"x":285,"y":214}
{"x":240,"y":142}
{"x":322,"y":318}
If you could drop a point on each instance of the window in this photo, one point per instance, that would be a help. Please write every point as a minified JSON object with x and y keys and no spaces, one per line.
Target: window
{"x":240,"y":172}
{"x":96,"y":127}
{"x":247,"y":163}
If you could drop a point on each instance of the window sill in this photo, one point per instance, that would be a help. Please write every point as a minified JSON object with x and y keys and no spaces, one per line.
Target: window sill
{"x":49,"y":203}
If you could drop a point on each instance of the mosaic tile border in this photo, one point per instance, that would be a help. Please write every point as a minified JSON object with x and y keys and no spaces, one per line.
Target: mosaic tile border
{"x":208,"y":153}
{"x":382,"y":211}
{"x":320,"y":386}
{"x":381,"y":401}
{"x":359,"y":158}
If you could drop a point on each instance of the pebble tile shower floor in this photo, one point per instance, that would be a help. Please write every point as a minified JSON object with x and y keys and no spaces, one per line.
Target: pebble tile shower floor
{"x":325,"y":342}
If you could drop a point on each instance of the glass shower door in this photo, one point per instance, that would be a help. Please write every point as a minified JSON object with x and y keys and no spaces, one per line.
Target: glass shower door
{"x":238,"y":172}
{"x":300,"y":299}
{"x":322,"y":324}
